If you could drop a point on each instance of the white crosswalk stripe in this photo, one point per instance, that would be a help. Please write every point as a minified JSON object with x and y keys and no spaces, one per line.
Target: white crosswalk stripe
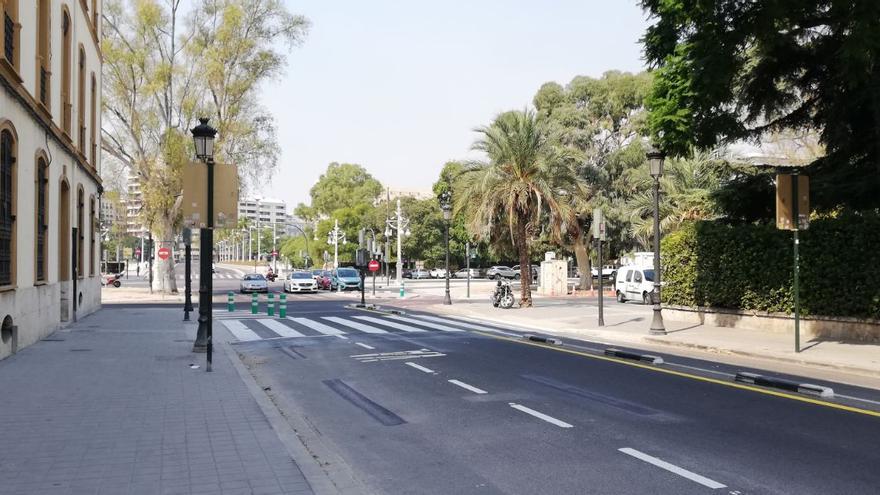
{"x":279,"y":328}
{"x":240,"y":331}
{"x":316,"y":325}
{"x":464,"y":324}
{"x":388,"y":323}
{"x":426,"y":324}
{"x":355,"y":325}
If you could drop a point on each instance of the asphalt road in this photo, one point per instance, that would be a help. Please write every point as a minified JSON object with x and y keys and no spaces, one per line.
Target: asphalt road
{"x":424,"y":405}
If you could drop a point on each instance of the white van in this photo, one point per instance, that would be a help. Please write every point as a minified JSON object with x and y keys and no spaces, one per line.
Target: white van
{"x":634,"y":283}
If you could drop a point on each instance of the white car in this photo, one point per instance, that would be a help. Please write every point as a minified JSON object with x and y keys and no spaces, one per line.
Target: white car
{"x":608,"y":271}
{"x":300,"y":282}
{"x":634,"y":283}
{"x":254,"y":282}
{"x":438,"y":272}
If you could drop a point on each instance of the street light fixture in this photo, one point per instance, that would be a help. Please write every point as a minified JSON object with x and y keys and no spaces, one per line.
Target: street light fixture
{"x":655,"y":162}
{"x":446,"y":205}
{"x":203,"y":138}
{"x":334,"y":237}
{"x":401,"y":225}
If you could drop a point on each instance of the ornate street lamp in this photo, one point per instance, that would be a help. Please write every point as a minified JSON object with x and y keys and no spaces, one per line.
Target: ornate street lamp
{"x":446,"y":205}
{"x":655,"y":162}
{"x":203,"y":138}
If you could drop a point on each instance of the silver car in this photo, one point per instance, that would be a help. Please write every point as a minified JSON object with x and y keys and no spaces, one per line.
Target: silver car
{"x":300,"y":282}
{"x":500,"y":271}
{"x":254,"y":282}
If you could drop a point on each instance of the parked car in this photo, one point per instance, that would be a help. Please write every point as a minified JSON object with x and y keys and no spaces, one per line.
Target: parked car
{"x":300,"y":282}
{"x":254,"y":282}
{"x":500,"y":271}
{"x":437,"y":272}
{"x":463,"y":273}
{"x":345,"y":278}
{"x":608,"y":271}
{"x":518,"y":274}
{"x":634,"y":283}
{"x":420,"y":273}
{"x":318,"y":274}
{"x":324,"y":280}
{"x":406,"y":273}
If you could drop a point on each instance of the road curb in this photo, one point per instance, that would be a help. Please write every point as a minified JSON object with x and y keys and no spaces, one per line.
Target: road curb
{"x":645,"y":358}
{"x":543,"y":340}
{"x":784,"y":384}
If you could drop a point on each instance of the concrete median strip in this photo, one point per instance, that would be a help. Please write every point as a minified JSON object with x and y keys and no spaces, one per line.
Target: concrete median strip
{"x":784,"y":384}
{"x":543,"y":340}
{"x":645,"y":358}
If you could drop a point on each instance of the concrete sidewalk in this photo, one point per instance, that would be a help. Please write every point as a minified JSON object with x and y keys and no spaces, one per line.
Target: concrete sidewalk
{"x":627,"y":324}
{"x":111,"y":405}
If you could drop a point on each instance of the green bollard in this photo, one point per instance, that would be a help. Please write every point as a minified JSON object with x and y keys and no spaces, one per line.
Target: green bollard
{"x":254,"y":304}
{"x":230,"y":302}
{"x":282,"y":311}
{"x":402,"y":290}
{"x":270,"y":307}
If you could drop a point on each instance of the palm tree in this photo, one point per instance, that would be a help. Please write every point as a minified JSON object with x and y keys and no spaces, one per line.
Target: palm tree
{"x":527,"y":174}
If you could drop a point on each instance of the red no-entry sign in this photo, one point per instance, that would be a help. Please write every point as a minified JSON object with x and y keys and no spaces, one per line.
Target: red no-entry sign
{"x":164,"y":253}
{"x":373,"y":266}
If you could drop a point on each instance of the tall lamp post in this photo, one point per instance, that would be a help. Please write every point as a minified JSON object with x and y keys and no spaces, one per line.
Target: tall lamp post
{"x":187,"y":275}
{"x":446,"y":205}
{"x":203,"y":138}
{"x":655,"y":162}
{"x":334,"y":237}
{"x":401,"y":225}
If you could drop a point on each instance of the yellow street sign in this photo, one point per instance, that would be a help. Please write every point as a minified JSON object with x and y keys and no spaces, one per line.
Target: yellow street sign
{"x":785,"y":199}
{"x":195,"y":193}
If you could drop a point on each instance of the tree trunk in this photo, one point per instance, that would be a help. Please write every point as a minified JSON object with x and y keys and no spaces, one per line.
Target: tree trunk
{"x":525,"y":270}
{"x":163,"y":270}
{"x":582,"y":255}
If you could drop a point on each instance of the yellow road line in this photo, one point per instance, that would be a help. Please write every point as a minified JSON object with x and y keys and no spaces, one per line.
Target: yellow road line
{"x":740,"y":386}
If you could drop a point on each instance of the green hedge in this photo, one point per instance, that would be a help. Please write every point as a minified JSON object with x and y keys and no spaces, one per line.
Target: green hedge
{"x":750,"y":267}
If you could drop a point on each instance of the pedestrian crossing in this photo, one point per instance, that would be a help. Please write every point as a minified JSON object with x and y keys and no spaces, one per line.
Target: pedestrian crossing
{"x":216,"y":276}
{"x":250,"y":328}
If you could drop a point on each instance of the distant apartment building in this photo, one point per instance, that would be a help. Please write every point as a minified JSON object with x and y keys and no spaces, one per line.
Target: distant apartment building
{"x":50,"y":186}
{"x":263,"y":211}
{"x":133,"y":204}
{"x":393,"y":193}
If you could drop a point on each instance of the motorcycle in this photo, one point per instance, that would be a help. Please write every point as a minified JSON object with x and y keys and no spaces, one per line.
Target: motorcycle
{"x":503,"y":295}
{"x":271,"y":276}
{"x":114,"y":280}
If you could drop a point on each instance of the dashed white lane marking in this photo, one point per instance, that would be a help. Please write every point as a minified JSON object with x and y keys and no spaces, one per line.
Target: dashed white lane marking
{"x":540,"y":415}
{"x":240,"y":331}
{"x":468,"y":387}
{"x":386,"y":322}
{"x":419,"y":367}
{"x":365,"y":346}
{"x":317,"y":326}
{"x":279,"y":328}
{"x":414,"y":321}
{"x":672,"y":468}
{"x":354,"y":324}
{"x":466,"y":325}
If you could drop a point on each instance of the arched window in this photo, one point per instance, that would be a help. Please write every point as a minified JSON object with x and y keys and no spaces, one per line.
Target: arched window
{"x":65,"y":70}
{"x":8,"y":153}
{"x":93,"y":226}
{"x":81,"y":104}
{"x":10,"y":30}
{"x":93,"y":122}
{"x":41,"y":227}
{"x":95,"y":17}
{"x":80,"y":235}
{"x":43,"y":67}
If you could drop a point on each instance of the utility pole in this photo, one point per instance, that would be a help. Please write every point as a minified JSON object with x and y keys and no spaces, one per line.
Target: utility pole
{"x":274,"y":249}
{"x":399,"y":244}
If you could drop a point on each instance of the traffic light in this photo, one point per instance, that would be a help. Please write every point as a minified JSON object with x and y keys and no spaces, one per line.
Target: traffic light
{"x":362,"y":257}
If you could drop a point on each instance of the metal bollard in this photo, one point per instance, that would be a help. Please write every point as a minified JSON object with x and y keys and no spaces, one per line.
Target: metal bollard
{"x":402,"y":289}
{"x":270,"y":307}
{"x":230,"y":301}
{"x":282,"y":311}
{"x":255,"y":305}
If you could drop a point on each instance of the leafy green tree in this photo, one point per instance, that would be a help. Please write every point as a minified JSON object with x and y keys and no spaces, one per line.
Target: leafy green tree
{"x":343,"y":185}
{"x":728,"y":70}
{"x":521,"y":180}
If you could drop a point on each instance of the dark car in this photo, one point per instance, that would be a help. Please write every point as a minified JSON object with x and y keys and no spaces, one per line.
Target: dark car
{"x":406,"y":273}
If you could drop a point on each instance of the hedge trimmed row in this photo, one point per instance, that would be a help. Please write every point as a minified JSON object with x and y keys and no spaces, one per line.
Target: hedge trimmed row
{"x":750,"y":267}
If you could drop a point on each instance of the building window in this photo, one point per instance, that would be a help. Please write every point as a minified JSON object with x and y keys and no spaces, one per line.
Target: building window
{"x":65,"y":71}
{"x":10,"y":32}
{"x":7,"y":207}
{"x":41,"y":228}
{"x":80,"y":235}
{"x":93,"y":124}
{"x":43,"y":67}
{"x":92,"y":227}
{"x":95,"y":17}
{"x":81,"y":104}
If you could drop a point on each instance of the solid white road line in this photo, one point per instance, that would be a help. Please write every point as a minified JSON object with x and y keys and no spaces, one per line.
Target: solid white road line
{"x":279,"y":328}
{"x":365,"y":346}
{"x":240,"y":331}
{"x":540,"y":415}
{"x":466,"y":325}
{"x":317,"y":326}
{"x":468,"y":387}
{"x":672,"y":468}
{"x":419,"y":367}
{"x":386,"y":322}
{"x":426,"y":324}
{"x":354,"y":324}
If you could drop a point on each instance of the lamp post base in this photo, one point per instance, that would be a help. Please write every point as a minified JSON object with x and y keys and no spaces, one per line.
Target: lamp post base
{"x":657,"y":327}
{"x":447,"y":299}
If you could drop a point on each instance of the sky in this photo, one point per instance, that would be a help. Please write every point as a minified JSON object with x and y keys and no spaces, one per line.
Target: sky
{"x":399,"y":86}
